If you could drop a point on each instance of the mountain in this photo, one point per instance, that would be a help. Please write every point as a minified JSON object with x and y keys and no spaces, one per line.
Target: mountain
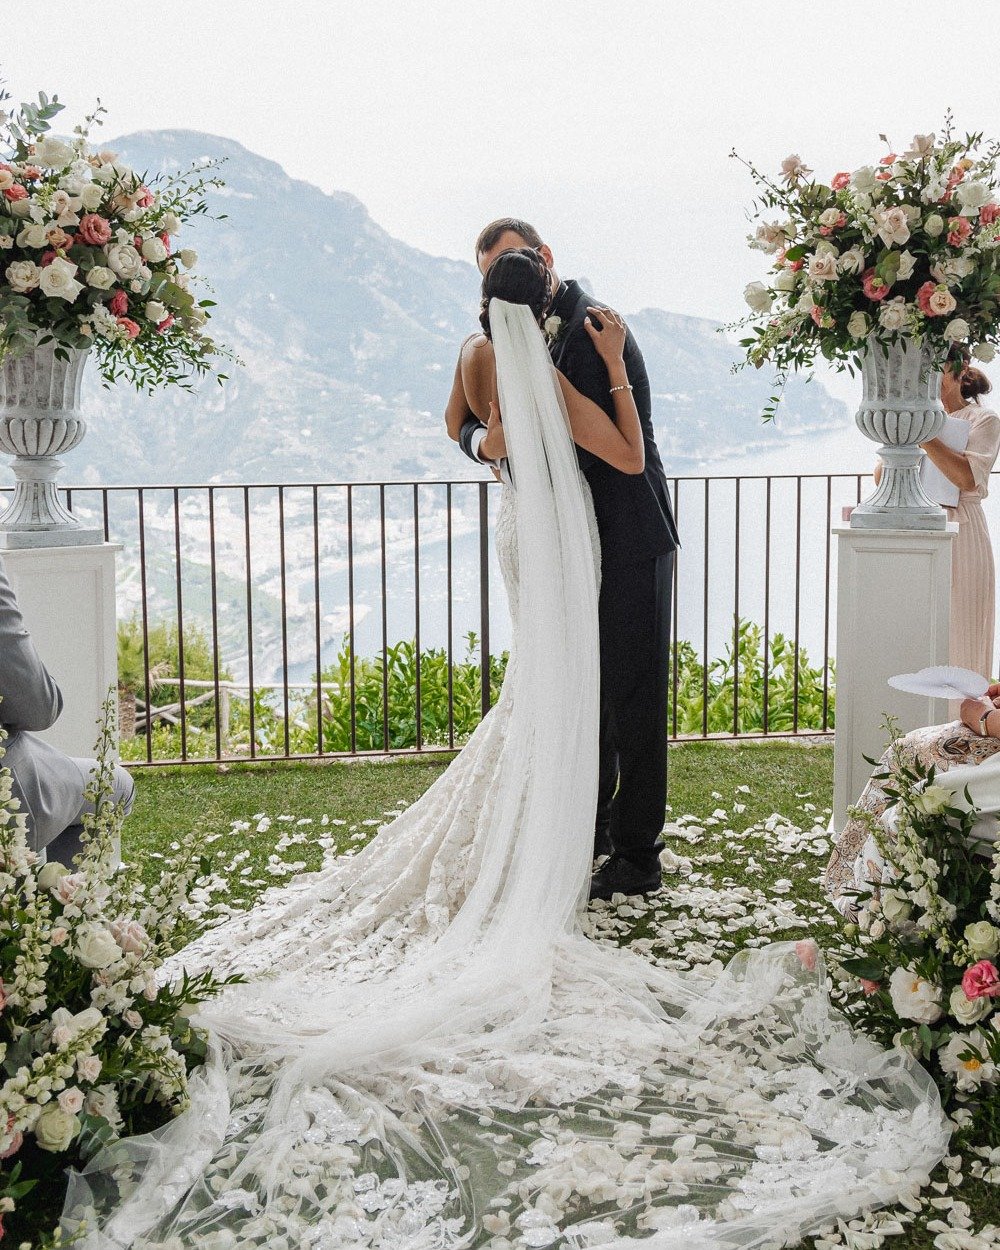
{"x":349,"y":337}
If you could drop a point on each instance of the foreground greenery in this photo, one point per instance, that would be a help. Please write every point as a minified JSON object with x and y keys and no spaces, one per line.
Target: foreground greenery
{"x":756,"y":684}
{"x":264,"y":822}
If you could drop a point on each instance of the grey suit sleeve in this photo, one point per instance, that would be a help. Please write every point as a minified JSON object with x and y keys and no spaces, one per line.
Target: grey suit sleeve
{"x":30,"y":698}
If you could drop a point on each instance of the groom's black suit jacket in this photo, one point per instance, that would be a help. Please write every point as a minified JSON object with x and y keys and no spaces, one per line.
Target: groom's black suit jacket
{"x":634,"y":516}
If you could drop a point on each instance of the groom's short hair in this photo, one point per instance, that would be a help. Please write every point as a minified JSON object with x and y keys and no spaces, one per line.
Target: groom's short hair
{"x":491,"y":235}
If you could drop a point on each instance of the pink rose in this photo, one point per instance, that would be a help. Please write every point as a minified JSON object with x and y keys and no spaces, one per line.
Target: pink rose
{"x":796,"y":265}
{"x":129,"y":326}
{"x":16,"y":192}
{"x":145,"y":197}
{"x":47,"y":258}
{"x":981,"y":980}
{"x":816,"y":312}
{"x":924,"y":298}
{"x":959,"y":229}
{"x":163,"y":326}
{"x":16,"y":1140}
{"x":873,"y":286}
{"x":94,"y":230}
{"x":989,"y":213}
{"x":31,"y":172}
{"x":132,"y":1019}
{"x":808,"y":952}
{"x":869,"y":987}
{"x":841,"y":180}
{"x":889,"y":160}
{"x":70,"y":1100}
{"x":66,"y":888}
{"x":130,"y":936}
{"x":165,"y":240}
{"x":58,"y":936}
{"x":118,"y":304}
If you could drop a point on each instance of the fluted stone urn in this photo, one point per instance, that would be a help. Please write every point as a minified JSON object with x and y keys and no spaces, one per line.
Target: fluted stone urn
{"x":39,"y":422}
{"x":900,"y":409}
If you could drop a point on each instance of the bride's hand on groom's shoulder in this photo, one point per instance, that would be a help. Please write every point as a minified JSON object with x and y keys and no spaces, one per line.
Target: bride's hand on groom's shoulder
{"x":494,"y":445}
{"x":609,"y":339}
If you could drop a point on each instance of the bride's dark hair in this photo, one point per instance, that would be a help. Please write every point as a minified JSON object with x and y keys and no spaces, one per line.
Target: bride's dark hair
{"x":519,"y":276}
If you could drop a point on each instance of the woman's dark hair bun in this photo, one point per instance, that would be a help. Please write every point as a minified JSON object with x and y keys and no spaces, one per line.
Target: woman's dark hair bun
{"x":974,"y":383}
{"x":519,"y":276}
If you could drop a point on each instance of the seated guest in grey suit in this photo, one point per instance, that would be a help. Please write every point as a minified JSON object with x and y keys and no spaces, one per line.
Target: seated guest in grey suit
{"x":49,"y":784}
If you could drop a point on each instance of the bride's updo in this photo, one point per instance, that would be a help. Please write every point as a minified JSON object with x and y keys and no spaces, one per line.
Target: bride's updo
{"x":519,"y":276}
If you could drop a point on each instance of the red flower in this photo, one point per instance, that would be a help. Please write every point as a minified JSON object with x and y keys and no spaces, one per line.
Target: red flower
{"x":129,"y":326}
{"x":145,"y":198}
{"x":923,"y":298}
{"x":118,"y":304}
{"x":796,"y":265}
{"x":47,"y":258}
{"x":989,"y":213}
{"x":873,"y":286}
{"x":165,"y":240}
{"x":841,"y":180}
{"x":16,"y":192}
{"x":163,"y":326}
{"x":889,"y":160}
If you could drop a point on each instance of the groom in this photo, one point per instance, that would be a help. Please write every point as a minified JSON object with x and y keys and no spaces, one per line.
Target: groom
{"x":638,"y":541}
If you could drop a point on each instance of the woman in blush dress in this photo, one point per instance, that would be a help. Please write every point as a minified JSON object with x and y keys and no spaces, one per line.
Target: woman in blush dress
{"x":972,"y":569}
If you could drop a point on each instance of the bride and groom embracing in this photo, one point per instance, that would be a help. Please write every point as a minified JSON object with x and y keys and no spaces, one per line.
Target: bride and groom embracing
{"x":428,"y":1052}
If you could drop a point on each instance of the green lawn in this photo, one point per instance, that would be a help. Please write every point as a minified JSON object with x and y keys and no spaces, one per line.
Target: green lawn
{"x":262,"y":823}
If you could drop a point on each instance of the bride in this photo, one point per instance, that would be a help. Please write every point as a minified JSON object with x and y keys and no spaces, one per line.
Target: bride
{"x":430,"y":1055}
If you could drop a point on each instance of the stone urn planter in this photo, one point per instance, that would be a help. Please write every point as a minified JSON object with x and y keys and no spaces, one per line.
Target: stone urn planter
{"x":900,"y":409}
{"x":39,"y":422}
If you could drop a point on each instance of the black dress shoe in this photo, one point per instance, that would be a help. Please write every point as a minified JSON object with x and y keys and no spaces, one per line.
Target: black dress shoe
{"x":621,"y":876}
{"x":603,"y":845}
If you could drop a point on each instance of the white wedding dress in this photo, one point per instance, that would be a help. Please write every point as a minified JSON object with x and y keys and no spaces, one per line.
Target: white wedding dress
{"x":430,"y":1055}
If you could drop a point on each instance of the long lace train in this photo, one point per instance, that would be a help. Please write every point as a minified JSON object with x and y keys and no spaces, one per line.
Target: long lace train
{"x":431,"y":1055}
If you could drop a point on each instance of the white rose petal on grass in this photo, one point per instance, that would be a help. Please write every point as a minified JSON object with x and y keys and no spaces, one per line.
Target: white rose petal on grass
{"x":913,"y":998}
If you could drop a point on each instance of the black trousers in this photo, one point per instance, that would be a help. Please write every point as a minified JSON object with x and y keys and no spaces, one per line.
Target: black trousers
{"x":635,"y":608}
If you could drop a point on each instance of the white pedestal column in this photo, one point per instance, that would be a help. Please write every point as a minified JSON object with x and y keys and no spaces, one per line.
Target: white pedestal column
{"x":893,"y":608}
{"x":67,"y":598}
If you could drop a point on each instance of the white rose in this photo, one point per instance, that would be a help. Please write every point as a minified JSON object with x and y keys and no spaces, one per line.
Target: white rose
{"x":33,"y":235}
{"x":932,"y":800}
{"x":22,"y":208}
{"x":189,"y":258}
{"x":6,"y":179}
{"x":934,"y":225}
{"x":894,"y":314}
{"x":953,"y":269}
{"x":770,"y":236}
{"x":155,"y":311}
{"x":893,"y":225}
{"x":23,"y":276}
{"x":957,"y":330}
{"x":864,"y":180}
{"x":92,"y":196}
{"x":829,"y":216}
{"x":907,"y":263}
{"x":101,"y":277}
{"x":983,"y":939}
{"x":822,"y":267}
{"x":59,"y":280}
{"x":49,"y":874}
{"x":922,"y":145}
{"x":982,"y":351}
{"x":6,"y":242}
{"x":154,"y":250}
{"x":88,"y":1068}
{"x":858,"y":325}
{"x":972,"y":196}
{"x":785,"y":280}
{"x":171,"y":223}
{"x":758,"y":297}
{"x":132,"y":1019}
{"x":95,"y":947}
{"x":913,"y":998}
{"x":71,"y":1100}
{"x":852,"y":261}
{"x":123,"y":259}
{"x":55,"y":1129}
{"x":130,"y":936}
{"x":968,"y":1010}
{"x":53,"y":153}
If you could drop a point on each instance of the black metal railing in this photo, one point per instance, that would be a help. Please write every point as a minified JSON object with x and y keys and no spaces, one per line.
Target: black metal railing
{"x":278,"y":620}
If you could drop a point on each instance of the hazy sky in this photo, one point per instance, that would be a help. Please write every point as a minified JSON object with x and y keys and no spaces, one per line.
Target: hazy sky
{"x":606,"y":123}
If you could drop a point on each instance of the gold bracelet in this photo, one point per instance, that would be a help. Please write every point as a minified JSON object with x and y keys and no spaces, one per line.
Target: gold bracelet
{"x":625,"y":386}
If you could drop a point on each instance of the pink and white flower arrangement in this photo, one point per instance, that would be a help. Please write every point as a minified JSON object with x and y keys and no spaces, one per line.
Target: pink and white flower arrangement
{"x":921,"y":964}
{"x":89,"y":253}
{"x":920,"y":229}
{"x":93,"y":1044}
